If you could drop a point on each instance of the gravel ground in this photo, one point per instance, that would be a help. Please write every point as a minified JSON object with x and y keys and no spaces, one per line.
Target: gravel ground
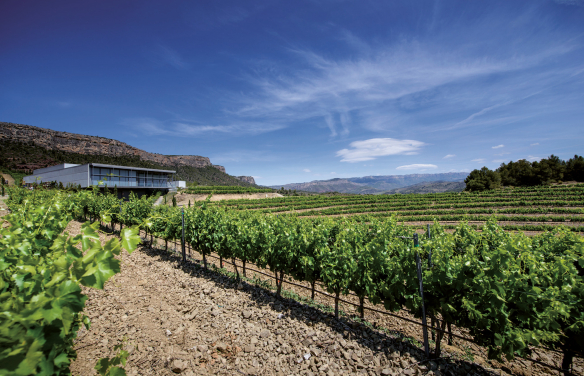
{"x":183,"y":198}
{"x":180,"y":318}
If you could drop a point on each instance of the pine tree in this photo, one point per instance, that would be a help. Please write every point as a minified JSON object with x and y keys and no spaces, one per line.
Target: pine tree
{"x":482,"y":180}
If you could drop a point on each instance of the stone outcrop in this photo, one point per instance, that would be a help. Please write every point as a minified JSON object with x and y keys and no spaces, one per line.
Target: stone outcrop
{"x":247,"y":179}
{"x":93,"y":145}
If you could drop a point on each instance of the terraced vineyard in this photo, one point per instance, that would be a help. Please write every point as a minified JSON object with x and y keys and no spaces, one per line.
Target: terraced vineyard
{"x":516,"y":209}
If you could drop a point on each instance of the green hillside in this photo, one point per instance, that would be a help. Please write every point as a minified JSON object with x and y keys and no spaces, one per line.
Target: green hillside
{"x":20,"y":159}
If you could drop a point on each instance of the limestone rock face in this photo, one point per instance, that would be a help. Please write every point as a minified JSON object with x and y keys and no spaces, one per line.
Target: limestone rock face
{"x":247,"y":179}
{"x":93,"y":145}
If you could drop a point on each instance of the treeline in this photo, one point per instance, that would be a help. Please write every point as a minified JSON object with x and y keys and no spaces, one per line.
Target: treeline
{"x":526,"y":174}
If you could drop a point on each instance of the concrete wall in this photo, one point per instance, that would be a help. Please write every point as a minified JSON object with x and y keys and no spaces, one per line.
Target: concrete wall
{"x":178,"y":184}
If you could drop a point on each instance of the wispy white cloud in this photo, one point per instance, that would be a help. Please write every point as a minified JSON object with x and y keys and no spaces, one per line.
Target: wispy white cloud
{"x":375,"y":81}
{"x":306,"y":170}
{"x":154,"y":127}
{"x":338,"y":86}
{"x":498,"y":146}
{"x":535,"y":144}
{"x":417,"y":166}
{"x":579,"y":3}
{"x":448,"y":156}
{"x":503,"y":153}
{"x":239,"y":128}
{"x":367,"y":150}
{"x":455,"y":170}
{"x":532,"y":158}
{"x":333,"y":173}
{"x":244,"y":156}
{"x":478,"y":160}
{"x":479,"y":113}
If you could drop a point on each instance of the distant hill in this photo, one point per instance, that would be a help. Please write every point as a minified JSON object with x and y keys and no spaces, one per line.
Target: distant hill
{"x":333,"y":185}
{"x":430,"y":187}
{"x":388,"y":182}
{"x":373,"y":184}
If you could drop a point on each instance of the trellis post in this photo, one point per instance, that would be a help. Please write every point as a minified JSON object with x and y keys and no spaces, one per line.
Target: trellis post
{"x":184,"y":253}
{"x":424,"y":322}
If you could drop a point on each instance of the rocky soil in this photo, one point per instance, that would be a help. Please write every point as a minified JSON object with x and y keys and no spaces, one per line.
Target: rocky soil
{"x":178,"y":318}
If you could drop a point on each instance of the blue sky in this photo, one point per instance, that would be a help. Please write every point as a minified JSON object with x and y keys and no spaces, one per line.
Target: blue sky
{"x":294,"y":91}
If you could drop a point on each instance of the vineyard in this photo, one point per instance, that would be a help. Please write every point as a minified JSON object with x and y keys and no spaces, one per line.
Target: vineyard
{"x":516,"y":209}
{"x":511,"y":292}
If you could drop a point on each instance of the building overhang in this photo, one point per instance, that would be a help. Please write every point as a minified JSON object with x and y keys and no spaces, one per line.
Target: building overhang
{"x":131,"y":168}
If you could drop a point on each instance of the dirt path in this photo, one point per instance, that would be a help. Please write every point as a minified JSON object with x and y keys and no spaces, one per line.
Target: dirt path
{"x":182,"y":198}
{"x":8,"y":178}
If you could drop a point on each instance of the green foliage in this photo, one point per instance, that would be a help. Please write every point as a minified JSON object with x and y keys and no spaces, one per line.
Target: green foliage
{"x":41,"y":271}
{"x":109,"y":367}
{"x":483,"y":179}
{"x":575,"y":169}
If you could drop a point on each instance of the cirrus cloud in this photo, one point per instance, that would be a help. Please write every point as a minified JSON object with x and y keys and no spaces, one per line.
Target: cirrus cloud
{"x":417,"y":166}
{"x":367,"y":150}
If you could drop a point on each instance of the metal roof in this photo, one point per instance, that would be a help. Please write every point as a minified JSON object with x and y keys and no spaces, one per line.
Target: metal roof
{"x":131,"y":168}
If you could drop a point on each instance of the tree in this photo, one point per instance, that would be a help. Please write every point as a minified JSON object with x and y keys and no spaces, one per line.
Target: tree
{"x":517,"y":174}
{"x":174,"y":201}
{"x":550,"y":170}
{"x":575,"y":169}
{"x":483,"y":179}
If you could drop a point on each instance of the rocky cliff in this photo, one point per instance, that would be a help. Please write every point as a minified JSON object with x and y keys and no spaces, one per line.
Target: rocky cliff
{"x":93,"y":145}
{"x":247,"y":179}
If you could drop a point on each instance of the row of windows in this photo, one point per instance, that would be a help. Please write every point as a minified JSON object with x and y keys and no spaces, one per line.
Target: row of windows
{"x":122,"y":179}
{"x":116,"y":172}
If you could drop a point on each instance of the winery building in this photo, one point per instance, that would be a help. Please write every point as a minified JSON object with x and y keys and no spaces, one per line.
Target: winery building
{"x":124,"y":179}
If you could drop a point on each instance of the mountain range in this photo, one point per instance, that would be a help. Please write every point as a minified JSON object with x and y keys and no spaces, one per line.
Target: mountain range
{"x":384,"y":184}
